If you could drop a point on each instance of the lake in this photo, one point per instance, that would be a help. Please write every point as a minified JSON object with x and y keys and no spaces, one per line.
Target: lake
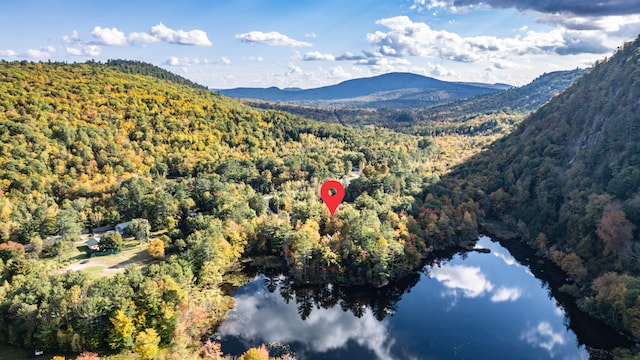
{"x":461,"y":306}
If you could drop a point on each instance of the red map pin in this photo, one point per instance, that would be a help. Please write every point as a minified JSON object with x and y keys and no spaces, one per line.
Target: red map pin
{"x":334,"y":201}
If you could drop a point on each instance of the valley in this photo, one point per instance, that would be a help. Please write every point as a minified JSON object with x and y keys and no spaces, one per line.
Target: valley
{"x":212,"y":183}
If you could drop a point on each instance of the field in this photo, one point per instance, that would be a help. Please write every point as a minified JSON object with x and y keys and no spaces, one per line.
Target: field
{"x":111,"y":264}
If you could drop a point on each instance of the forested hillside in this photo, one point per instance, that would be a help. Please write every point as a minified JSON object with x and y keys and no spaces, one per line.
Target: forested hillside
{"x":489,"y":114}
{"x":88,"y":145}
{"x":568,"y":179}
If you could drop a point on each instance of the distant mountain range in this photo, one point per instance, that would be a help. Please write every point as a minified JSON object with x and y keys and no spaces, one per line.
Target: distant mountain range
{"x":395,"y":90}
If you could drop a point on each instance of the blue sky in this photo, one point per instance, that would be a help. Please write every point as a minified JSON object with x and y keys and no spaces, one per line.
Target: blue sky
{"x":311,"y":43}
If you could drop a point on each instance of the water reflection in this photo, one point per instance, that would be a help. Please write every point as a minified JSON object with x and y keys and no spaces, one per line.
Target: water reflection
{"x":460,"y":306}
{"x":545,"y":337}
{"x":470,"y":280}
{"x":320,"y":330}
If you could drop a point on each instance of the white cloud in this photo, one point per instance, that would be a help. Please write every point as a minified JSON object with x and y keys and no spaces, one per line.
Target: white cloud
{"x":543,"y":336}
{"x":318,"y":56}
{"x":225,"y":60}
{"x":191,"y":37}
{"x":160,"y":32}
{"x":37,"y":54}
{"x":109,"y":36}
{"x":272,"y":38}
{"x":70,"y":39}
{"x":469,"y":279}
{"x":506,"y":294}
{"x":142,"y":37}
{"x":439,"y":70}
{"x":293,"y":70}
{"x":8,"y":53}
{"x":408,"y":38}
{"x":337,"y":72}
{"x":311,"y":35}
{"x":256,"y":58}
{"x":84,"y":50}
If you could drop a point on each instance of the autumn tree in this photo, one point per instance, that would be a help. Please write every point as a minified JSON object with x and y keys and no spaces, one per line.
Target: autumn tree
{"x":121,"y":336}
{"x":156,"y":248}
{"x":614,"y":229}
{"x":147,"y":343}
{"x":260,"y":353}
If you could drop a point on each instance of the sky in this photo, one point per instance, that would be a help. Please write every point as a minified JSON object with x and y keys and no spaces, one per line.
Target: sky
{"x":311,"y":43}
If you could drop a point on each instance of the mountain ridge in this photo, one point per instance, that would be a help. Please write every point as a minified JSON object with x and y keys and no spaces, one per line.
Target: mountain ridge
{"x":367,"y":91}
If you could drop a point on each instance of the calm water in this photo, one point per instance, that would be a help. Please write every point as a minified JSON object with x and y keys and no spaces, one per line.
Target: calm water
{"x":466,"y":306}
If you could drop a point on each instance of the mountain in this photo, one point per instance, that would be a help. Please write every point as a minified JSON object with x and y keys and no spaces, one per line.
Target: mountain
{"x":493,"y":114}
{"x":401,"y":89}
{"x":568,"y":179}
{"x":515,"y":99}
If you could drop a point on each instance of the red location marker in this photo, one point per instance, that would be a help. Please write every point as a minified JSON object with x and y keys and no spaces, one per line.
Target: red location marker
{"x":332,"y":201}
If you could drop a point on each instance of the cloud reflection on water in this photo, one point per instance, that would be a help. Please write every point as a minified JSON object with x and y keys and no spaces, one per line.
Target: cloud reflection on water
{"x":323,"y":329}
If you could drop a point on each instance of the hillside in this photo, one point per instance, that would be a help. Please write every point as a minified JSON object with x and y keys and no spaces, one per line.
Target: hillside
{"x":567,"y":178}
{"x":387,"y":90}
{"x":204,"y":180}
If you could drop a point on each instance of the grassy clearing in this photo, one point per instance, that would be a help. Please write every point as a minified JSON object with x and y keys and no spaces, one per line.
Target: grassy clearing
{"x":110,"y":264}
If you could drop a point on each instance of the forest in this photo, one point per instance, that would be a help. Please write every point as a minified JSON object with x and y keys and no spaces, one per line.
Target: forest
{"x":567,"y":181}
{"x":91,"y":145}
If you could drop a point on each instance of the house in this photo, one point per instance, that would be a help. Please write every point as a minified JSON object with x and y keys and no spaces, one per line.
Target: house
{"x":94,"y":243}
{"x":120,"y":227}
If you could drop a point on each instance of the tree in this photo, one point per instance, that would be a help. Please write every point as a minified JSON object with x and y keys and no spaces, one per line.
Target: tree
{"x":140,"y":229}
{"x":147,"y":343}
{"x":211,"y":350}
{"x":614,"y":229}
{"x":69,"y":222}
{"x":88,"y":356}
{"x":111,"y":242}
{"x":260,"y":353}
{"x":156,"y":248}
{"x":121,"y":336}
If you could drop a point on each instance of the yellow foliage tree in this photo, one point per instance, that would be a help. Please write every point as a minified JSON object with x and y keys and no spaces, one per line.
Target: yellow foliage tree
{"x":147,"y":344}
{"x":122,"y":333}
{"x":260,"y":353}
{"x":156,"y":248}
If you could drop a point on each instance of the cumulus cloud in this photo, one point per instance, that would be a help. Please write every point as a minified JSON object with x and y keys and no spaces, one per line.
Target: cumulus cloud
{"x":39,"y":53}
{"x":225,"y":60}
{"x":181,"y":37}
{"x":256,"y":58}
{"x":272,"y":38}
{"x":408,"y":38}
{"x":70,"y":39}
{"x":350,"y":57}
{"x":469,"y":279}
{"x":160,"y":32}
{"x":439,"y":70}
{"x":8,"y":53}
{"x":109,"y":36}
{"x":506,"y":294}
{"x":318,"y":56}
{"x":84,"y":50}
{"x":544,"y":336}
